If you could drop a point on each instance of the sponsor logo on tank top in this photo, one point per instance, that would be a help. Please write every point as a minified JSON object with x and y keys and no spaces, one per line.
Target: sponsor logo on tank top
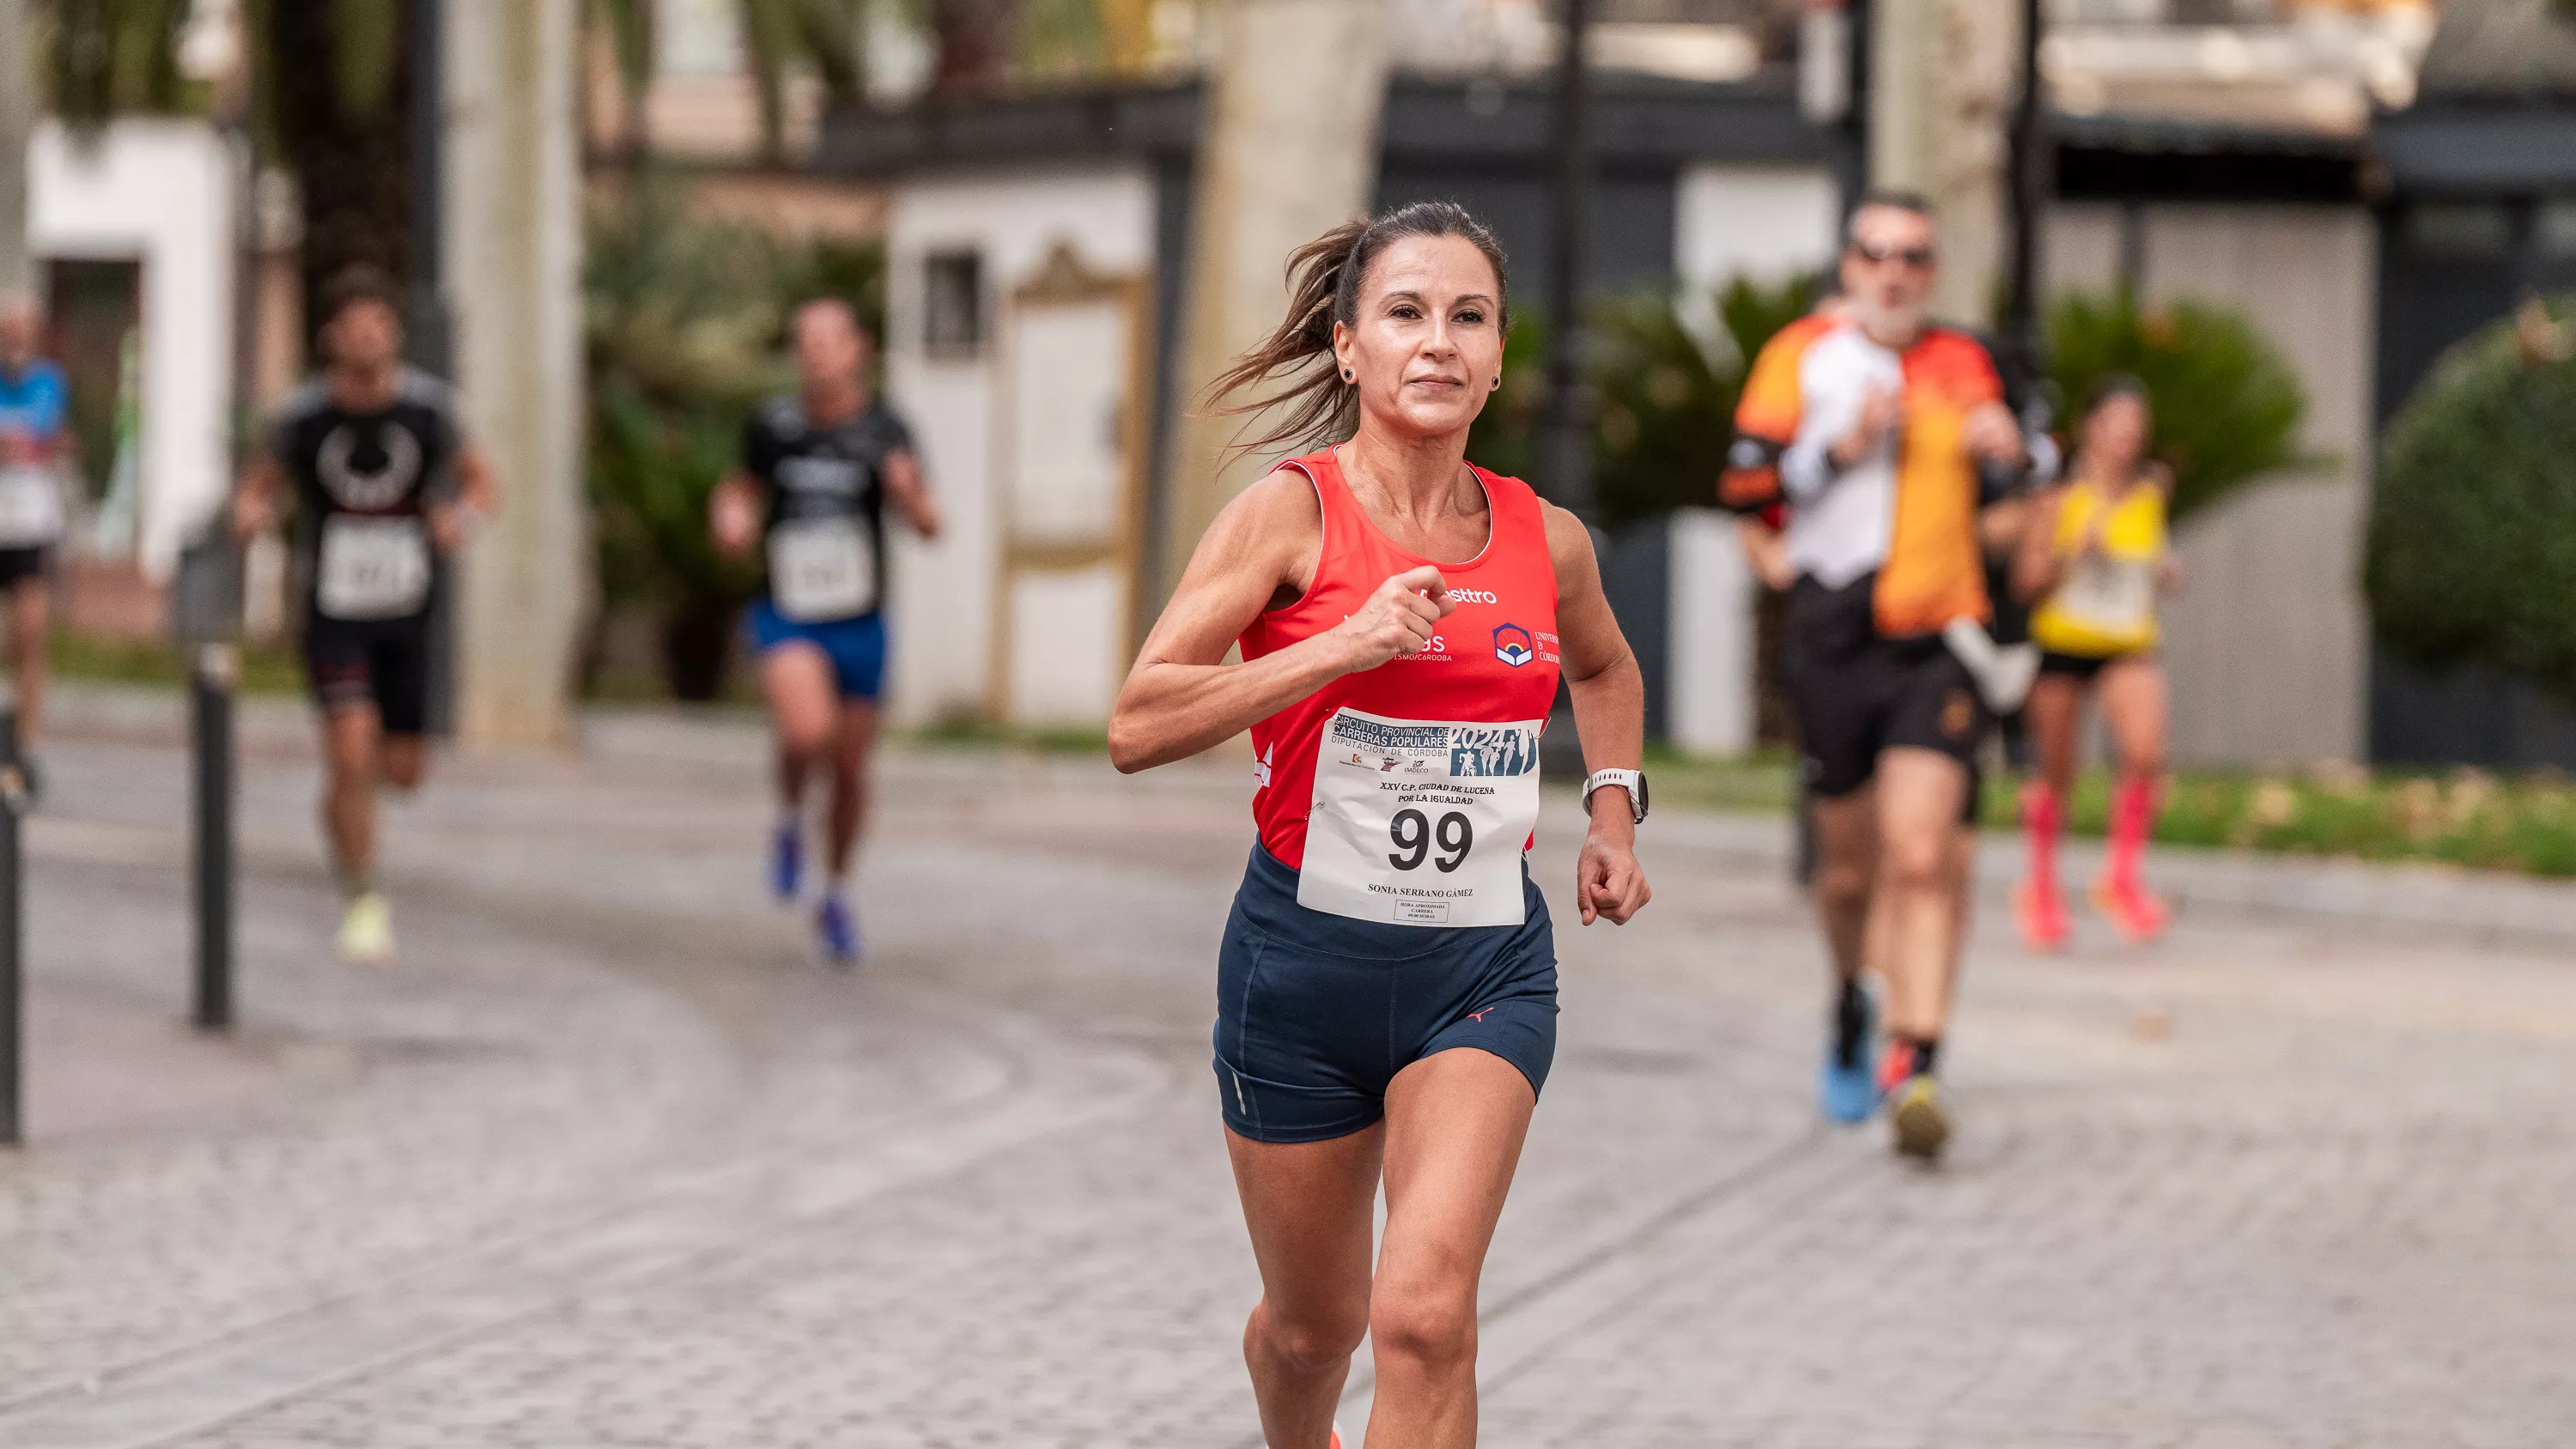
{"x":1514,"y":646}
{"x":1434,"y":650}
{"x":1475,"y":596}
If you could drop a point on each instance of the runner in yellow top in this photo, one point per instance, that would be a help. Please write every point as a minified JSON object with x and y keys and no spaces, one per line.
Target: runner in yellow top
{"x":2095,"y":557}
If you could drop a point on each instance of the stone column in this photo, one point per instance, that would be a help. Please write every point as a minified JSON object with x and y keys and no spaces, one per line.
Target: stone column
{"x":17,"y":122}
{"x":1942,"y":80}
{"x":513,"y":236}
{"x":1288,"y":150}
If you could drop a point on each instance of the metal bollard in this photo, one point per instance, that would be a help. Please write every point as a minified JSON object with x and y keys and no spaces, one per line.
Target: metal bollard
{"x":210,"y":690}
{"x":205,"y":608}
{"x":13,"y":808}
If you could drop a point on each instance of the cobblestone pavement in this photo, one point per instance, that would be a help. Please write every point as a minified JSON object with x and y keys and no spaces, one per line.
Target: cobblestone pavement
{"x":606,"y":1160}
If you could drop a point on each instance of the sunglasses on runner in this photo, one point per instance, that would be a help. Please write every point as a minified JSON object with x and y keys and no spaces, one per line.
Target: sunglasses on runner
{"x":1916,"y":257}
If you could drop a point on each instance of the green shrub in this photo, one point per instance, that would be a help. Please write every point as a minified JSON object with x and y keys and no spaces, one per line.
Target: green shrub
{"x":2471,"y":555}
{"x":2227,"y":404}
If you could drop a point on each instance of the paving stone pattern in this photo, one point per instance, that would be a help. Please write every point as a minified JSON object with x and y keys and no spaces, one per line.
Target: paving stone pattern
{"x":607,"y":1160}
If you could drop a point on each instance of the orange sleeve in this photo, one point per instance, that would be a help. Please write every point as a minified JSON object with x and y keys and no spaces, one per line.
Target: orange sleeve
{"x":1766,"y":418}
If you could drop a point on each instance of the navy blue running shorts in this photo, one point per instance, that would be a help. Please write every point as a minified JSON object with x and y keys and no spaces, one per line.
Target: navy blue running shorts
{"x":1316,"y":1013}
{"x":855,"y":647}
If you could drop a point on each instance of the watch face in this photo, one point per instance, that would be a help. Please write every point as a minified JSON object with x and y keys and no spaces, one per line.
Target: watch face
{"x":1641,"y":796}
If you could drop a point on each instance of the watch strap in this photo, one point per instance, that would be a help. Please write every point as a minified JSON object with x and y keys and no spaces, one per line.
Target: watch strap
{"x":1631,"y":781}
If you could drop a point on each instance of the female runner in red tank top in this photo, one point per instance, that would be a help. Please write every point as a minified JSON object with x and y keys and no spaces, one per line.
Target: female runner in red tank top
{"x":1387,"y":981}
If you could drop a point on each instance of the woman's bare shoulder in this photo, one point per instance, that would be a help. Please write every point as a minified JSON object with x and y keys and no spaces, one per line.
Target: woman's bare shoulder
{"x":1277,"y":521}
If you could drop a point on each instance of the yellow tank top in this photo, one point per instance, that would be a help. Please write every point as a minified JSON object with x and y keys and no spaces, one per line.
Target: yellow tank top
{"x":2106,"y":604}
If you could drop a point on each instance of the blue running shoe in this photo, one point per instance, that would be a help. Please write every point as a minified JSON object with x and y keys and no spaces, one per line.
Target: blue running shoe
{"x":786,"y":860}
{"x":1847,"y":1084}
{"x":839,"y":928}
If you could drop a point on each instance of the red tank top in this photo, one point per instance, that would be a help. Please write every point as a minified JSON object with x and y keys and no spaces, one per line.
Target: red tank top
{"x":1492,"y":660}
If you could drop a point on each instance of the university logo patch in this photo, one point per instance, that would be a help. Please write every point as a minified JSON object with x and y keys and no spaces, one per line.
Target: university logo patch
{"x":1512,"y":645}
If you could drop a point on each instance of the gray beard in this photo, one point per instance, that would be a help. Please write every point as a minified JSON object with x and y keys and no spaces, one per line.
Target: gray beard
{"x":1895,"y":328}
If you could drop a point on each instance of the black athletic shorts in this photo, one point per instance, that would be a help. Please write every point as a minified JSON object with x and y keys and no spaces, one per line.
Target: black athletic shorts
{"x":2086,"y":666}
{"x":1858,"y":694}
{"x":1316,"y":1013}
{"x":379,"y":661}
{"x":21,"y":563}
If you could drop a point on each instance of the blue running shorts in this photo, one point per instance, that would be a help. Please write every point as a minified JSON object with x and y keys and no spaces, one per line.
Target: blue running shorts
{"x":1316,"y":1013}
{"x":856,"y":647}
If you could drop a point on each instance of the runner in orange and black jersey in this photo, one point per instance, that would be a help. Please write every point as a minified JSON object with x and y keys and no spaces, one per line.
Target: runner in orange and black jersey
{"x":1876,"y":431}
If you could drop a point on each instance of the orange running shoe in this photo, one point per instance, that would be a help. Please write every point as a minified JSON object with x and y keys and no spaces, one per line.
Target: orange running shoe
{"x":2042,"y":917}
{"x":2132,"y":908}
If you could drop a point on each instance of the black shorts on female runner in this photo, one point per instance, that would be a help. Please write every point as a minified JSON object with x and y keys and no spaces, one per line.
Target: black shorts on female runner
{"x":1316,"y":1013}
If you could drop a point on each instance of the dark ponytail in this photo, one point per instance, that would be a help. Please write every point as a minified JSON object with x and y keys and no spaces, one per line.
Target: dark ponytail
{"x":1324,"y":280}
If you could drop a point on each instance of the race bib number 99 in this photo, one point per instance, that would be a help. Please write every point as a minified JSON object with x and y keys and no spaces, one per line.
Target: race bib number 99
{"x":372,"y":568}
{"x":1420,"y":822}
{"x":821,"y":569}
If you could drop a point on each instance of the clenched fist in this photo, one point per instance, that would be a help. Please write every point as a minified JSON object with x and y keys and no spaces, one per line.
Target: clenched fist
{"x":1397,"y":619}
{"x":1990,"y":433}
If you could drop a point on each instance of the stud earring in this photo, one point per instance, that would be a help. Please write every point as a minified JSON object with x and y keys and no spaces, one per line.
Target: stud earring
{"x":1349,"y":376}
{"x":1498,"y":380}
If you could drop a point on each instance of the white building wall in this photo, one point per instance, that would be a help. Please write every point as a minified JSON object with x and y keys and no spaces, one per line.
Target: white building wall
{"x":1713,"y":660}
{"x":159,"y":192}
{"x":2268,"y":644}
{"x":1768,"y":223}
{"x":942,"y":596}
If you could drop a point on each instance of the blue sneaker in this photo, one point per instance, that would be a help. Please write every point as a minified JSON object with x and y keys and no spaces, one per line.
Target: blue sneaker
{"x":1850,"y":1089}
{"x":839,"y":928}
{"x":786,"y":860}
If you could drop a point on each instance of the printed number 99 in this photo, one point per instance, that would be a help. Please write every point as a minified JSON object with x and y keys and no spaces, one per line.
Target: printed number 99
{"x":1413,"y":834}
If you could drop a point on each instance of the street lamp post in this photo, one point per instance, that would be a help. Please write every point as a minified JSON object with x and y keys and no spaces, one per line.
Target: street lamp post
{"x":430,"y":337}
{"x":1567,"y":444}
{"x":428,"y":324}
{"x":2026,"y":199}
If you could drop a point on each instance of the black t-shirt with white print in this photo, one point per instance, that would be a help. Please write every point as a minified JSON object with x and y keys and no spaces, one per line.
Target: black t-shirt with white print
{"x":812,"y":479}
{"x":363,"y":484}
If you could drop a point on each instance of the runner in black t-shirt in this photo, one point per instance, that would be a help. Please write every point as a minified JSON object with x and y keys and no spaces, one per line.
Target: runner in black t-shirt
{"x":382,"y":480}
{"x":818,"y":470}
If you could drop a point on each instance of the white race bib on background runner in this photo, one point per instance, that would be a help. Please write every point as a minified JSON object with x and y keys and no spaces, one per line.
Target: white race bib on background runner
{"x":31,"y":506}
{"x":2109,"y":596}
{"x":822,"y":569}
{"x":1420,"y":822}
{"x":372,"y":568}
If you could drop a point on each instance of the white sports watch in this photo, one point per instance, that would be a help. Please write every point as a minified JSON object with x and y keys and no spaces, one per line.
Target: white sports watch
{"x":1632,"y":781}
